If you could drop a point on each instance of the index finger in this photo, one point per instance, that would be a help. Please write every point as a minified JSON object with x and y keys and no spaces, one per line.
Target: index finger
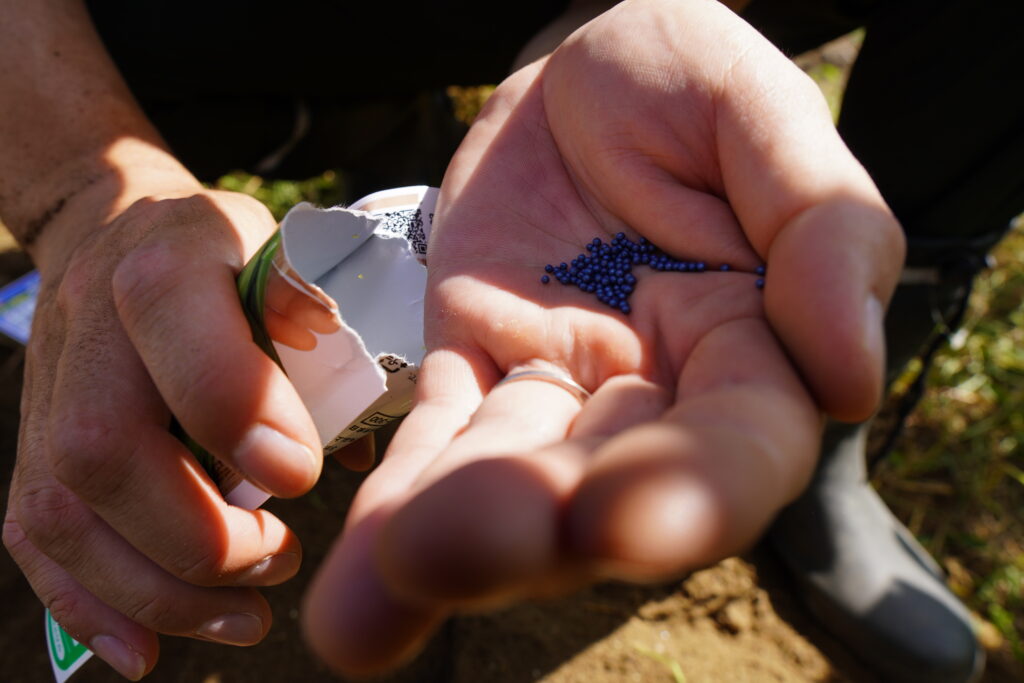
{"x":176,"y":297}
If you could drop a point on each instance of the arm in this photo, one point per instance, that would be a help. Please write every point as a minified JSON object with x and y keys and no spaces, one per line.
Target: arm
{"x":113,"y":523}
{"x":73,"y":138}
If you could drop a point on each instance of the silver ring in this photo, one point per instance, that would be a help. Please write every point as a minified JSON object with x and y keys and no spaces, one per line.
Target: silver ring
{"x":558,"y":379}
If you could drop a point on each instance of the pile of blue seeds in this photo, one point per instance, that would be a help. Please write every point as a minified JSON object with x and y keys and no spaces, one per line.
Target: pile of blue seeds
{"x":607,"y":271}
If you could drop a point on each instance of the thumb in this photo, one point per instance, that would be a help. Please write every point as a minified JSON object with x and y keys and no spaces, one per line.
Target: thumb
{"x":833,"y":269}
{"x":833,"y":248}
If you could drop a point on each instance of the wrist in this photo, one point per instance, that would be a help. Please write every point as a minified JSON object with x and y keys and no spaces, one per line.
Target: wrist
{"x":88,"y":194}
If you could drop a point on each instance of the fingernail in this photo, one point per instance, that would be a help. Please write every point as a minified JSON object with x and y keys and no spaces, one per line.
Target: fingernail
{"x":874,"y":327}
{"x":233,"y":629}
{"x":119,"y":656}
{"x":270,"y":570}
{"x":274,"y":461}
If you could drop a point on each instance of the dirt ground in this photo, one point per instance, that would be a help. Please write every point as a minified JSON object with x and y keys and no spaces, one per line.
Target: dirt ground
{"x":734,"y":622}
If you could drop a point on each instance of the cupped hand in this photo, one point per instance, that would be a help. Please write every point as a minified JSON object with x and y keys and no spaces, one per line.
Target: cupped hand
{"x":110,"y":517}
{"x":671,"y":121}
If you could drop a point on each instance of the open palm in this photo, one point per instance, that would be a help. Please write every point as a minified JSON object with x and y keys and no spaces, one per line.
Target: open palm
{"x":700,"y":426}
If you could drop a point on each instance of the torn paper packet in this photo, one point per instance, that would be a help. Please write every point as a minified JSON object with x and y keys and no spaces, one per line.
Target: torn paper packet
{"x":343,"y":307}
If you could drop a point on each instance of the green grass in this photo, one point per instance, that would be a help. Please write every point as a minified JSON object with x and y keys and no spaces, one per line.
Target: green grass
{"x":672,"y":665}
{"x":326,"y":189}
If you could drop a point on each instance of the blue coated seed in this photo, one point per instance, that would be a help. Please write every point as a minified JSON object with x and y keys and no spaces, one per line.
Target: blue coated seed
{"x":725,"y":267}
{"x":759,"y":283}
{"x":759,"y":270}
{"x":607,"y":271}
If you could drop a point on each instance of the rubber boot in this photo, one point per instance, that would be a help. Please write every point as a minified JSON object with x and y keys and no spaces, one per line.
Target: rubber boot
{"x":859,"y":570}
{"x":867,"y":580}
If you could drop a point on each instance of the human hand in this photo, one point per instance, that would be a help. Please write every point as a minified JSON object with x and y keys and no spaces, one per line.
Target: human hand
{"x":110,"y":517}
{"x":673,"y":121}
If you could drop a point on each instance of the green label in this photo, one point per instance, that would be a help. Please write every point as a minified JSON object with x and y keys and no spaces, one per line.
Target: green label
{"x":65,"y":651}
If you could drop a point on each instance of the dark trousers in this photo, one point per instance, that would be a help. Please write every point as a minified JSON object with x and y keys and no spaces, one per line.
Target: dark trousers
{"x":934,"y":107}
{"x":935,"y":112}
{"x":351,"y":85}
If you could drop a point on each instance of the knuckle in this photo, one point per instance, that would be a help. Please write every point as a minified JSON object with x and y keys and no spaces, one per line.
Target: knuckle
{"x":194,"y":398}
{"x":145,"y":275}
{"x":46,"y":515}
{"x":64,"y":607}
{"x":87,"y":456}
{"x":158,"y":211}
{"x":14,"y":537}
{"x":77,"y":285}
{"x":204,"y":565}
{"x":154,"y":611}
{"x":179,"y":216}
{"x":145,"y":210}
